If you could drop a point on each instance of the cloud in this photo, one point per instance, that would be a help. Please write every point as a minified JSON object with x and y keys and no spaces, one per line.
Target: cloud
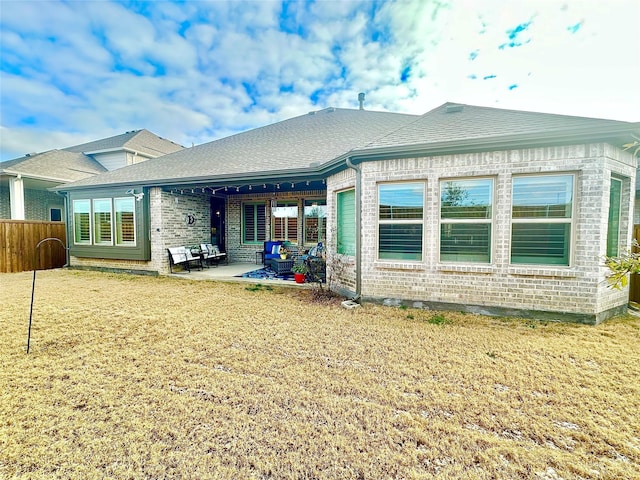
{"x":196,"y":71}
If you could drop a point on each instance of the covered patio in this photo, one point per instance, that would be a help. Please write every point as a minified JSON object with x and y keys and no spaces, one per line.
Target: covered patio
{"x":233,"y":273}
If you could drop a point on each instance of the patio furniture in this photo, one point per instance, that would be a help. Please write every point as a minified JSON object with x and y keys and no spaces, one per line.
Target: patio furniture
{"x":182,"y":256}
{"x":279,"y":265}
{"x":213,"y":254}
{"x":271,"y":250}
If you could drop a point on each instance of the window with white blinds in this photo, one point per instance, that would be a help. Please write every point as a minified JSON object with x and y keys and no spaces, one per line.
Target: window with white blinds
{"x":466,"y":219}
{"x":102,"y":232}
{"x":125,"y":221}
{"x":400,"y":221}
{"x":542,"y":219}
{"x":82,"y":222}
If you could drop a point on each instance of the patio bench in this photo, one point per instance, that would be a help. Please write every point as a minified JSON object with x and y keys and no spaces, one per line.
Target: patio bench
{"x":182,"y":256}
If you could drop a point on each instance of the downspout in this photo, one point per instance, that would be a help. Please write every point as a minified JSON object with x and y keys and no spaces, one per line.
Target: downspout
{"x":358,"y":194}
{"x":67,"y":227}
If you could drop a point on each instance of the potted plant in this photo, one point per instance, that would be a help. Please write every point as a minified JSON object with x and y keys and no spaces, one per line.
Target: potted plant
{"x":299,"y":272}
{"x":283,"y":253}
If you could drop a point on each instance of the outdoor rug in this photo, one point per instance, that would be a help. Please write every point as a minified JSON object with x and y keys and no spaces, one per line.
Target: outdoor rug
{"x":266,"y":274}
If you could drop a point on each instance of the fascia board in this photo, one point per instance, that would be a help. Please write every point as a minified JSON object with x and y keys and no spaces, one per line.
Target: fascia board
{"x":34,"y":177}
{"x":530,"y":140}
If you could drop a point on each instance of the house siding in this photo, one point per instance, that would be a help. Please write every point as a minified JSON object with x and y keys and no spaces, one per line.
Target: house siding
{"x":579,"y":289}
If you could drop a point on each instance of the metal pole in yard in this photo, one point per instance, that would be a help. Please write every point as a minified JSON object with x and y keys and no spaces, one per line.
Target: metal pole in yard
{"x":33,"y":286}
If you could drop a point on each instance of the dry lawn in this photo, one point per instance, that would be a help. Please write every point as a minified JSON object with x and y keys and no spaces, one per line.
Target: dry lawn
{"x":136,"y":377}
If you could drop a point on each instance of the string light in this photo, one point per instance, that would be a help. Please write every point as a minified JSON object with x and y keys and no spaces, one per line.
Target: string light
{"x":237,"y":189}
{"x":225,"y":189}
{"x":278,"y":186}
{"x":249,"y":187}
{"x":292,"y":185}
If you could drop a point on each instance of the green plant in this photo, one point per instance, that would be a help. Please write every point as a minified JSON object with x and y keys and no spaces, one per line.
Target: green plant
{"x":438,"y":319}
{"x":300,"y":268}
{"x":622,"y":266}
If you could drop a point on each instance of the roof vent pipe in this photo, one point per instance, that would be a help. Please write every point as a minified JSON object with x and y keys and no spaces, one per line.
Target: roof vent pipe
{"x":361,"y":100}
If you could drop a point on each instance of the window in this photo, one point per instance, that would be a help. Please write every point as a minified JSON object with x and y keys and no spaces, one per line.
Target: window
{"x":254,"y":223}
{"x":346,"y":222}
{"x":400,"y":217}
{"x":315,"y":221}
{"x":542,"y":210}
{"x":613,"y":225}
{"x":284,"y":221}
{"x":102,"y":221}
{"x":55,"y":214}
{"x":465,"y":220}
{"x":81,"y":222}
{"x":125,"y":221}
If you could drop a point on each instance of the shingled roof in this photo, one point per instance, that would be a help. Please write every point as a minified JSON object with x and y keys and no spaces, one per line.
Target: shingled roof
{"x":140,"y":141}
{"x":459,"y":124}
{"x":322,"y":140}
{"x":74,"y":163}
{"x":55,"y":166}
{"x":303,"y":142}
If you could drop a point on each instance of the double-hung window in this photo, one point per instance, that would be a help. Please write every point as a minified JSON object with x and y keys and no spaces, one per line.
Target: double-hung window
{"x":284,"y":221}
{"x":253,"y":222}
{"x":346,"y":222}
{"x":541,"y":219}
{"x":613,"y":225}
{"x":400,"y":221}
{"x":466,"y":220}
{"x":315,"y":221}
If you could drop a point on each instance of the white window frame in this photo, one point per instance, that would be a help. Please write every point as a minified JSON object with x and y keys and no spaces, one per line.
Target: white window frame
{"x":401,"y":221}
{"x":75,"y":240}
{"x":115,"y":223}
{"x":547,"y":220}
{"x":467,"y":220}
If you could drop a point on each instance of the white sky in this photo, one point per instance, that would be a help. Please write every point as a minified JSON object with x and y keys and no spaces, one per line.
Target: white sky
{"x":73,"y":72}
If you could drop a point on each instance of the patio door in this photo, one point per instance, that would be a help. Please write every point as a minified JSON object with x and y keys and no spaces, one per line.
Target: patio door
{"x":217,"y":222}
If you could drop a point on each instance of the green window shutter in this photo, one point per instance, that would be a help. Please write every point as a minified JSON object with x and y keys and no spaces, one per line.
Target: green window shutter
{"x":613,"y":226}
{"x":254,"y":222}
{"x":346,"y":224}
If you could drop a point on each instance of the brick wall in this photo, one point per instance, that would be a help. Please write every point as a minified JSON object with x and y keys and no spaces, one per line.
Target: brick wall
{"x":579,"y":289}
{"x":242,"y":252}
{"x":5,"y":205}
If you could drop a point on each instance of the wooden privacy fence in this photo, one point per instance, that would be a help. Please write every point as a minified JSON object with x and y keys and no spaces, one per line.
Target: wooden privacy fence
{"x":18,"y":240}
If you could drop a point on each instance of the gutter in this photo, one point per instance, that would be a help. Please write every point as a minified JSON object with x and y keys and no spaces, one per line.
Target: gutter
{"x":358,"y":194}
{"x":67,"y":227}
